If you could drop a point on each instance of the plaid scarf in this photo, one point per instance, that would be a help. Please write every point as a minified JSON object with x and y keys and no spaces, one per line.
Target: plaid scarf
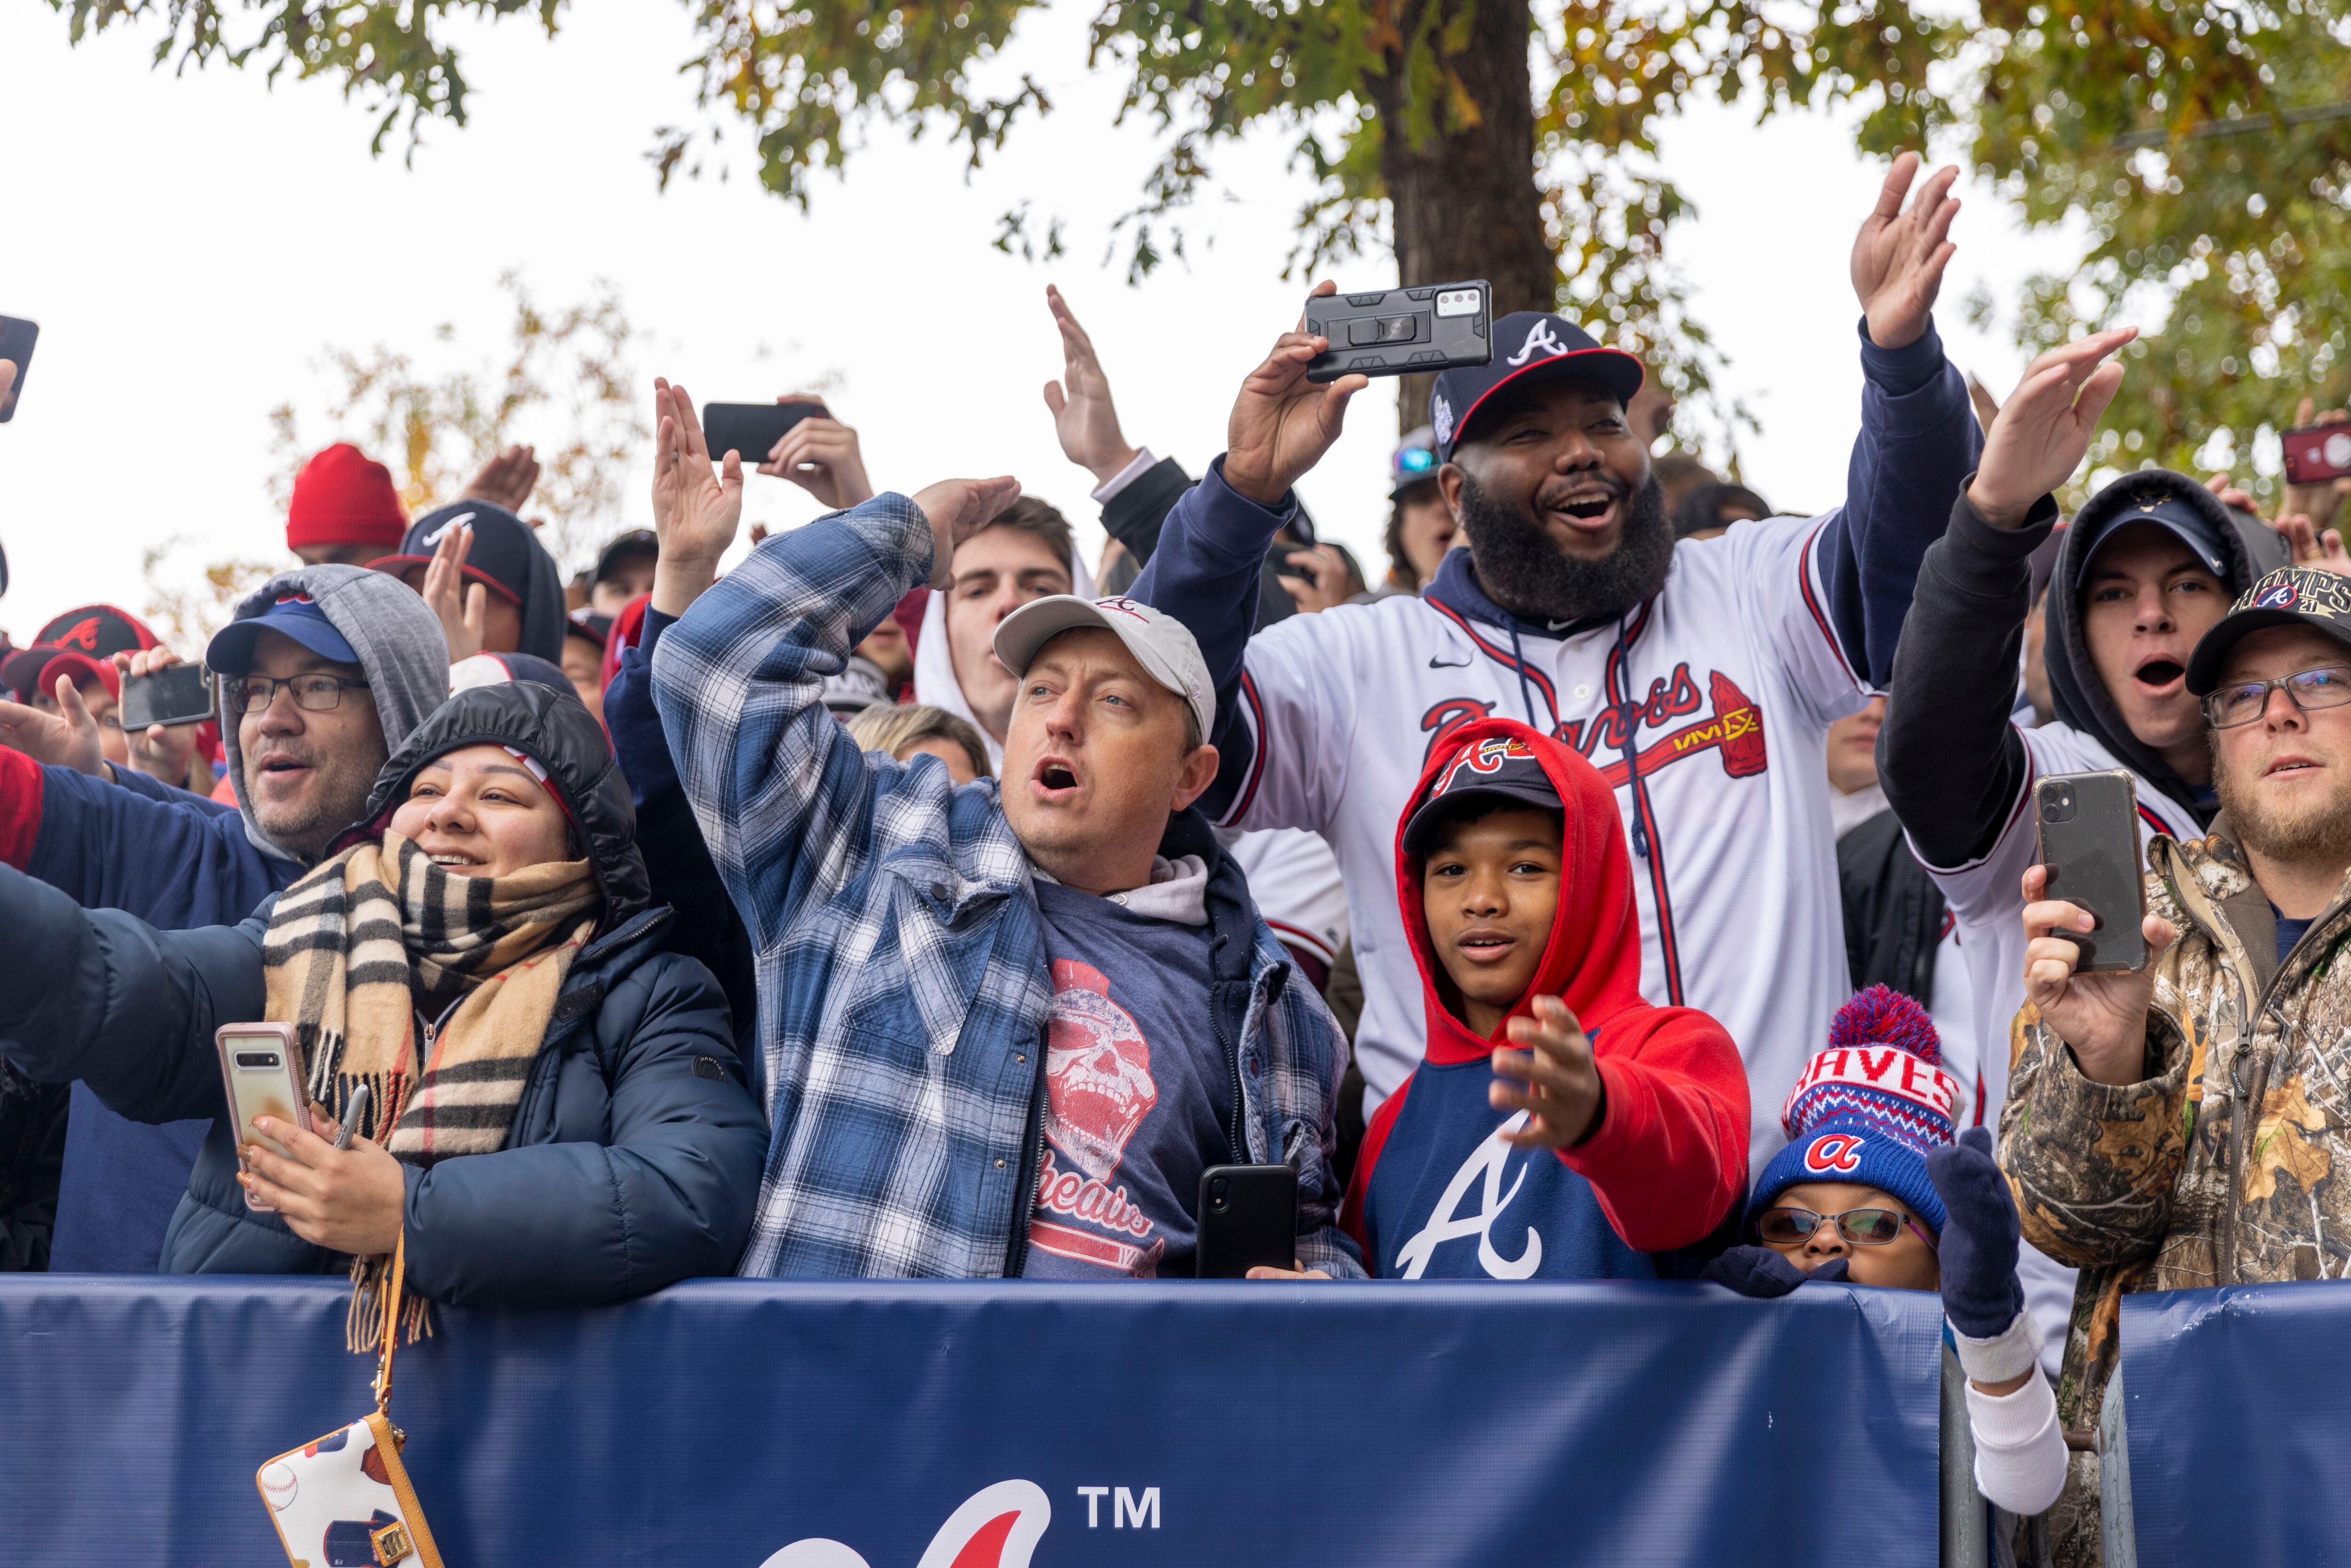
{"x":354,"y":944}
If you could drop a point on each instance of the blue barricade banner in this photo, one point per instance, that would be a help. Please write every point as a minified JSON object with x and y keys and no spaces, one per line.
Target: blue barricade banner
{"x":2238,"y":1402}
{"x":731,"y":1424}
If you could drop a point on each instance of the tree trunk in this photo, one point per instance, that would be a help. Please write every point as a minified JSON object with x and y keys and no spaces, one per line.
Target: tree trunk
{"x":1465,"y":203}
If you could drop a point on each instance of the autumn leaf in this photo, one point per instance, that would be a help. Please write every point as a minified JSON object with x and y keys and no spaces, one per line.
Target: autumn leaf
{"x":2279,"y":1146}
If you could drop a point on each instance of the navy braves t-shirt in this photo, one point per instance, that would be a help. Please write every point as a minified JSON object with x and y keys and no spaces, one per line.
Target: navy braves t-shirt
{"x":1138,"y":1092}
{"x":1448,"y":1199}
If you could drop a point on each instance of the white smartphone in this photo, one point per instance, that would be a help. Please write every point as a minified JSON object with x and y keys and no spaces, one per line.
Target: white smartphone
{"x":261,"y":1069}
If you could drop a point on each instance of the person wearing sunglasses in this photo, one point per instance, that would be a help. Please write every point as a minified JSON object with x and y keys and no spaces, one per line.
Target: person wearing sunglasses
{"x":1870,"y":1190}
{"x":2168,"y":1129}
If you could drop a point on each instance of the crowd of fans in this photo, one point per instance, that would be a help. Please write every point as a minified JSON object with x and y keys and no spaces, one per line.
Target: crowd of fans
{"x":1632,"y":883}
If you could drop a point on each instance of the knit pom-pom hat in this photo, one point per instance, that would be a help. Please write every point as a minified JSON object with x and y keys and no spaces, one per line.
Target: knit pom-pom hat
{"x":1869,"y":1108}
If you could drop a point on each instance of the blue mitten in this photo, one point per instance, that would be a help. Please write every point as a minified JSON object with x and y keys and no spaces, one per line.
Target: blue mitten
{"x":1981,"y":1295}
{"x":1760,"y":1272}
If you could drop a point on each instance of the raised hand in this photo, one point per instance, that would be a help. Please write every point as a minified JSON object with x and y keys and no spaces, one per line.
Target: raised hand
{"x":958,"y":509}
{"x":696,"y":512}
{"x":2102,"y":1017}
{"x":461,"y":606}
{"x":1899,"y":257}
{"x":66,"y":739}
{"x":2324,"y":552}
{"x":1083,"y":416}
{"x":1326,"y":584}
{"x":2043,"y":429}
{"x":1561,"y":1097}
{"x":821,"y":456}
{"x":1283,"y":423}
{"x":2322,"y":501}
{"x":506,"y":480}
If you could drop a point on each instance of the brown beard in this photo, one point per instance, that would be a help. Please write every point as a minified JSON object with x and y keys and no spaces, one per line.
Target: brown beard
{"x":2319,"y":835}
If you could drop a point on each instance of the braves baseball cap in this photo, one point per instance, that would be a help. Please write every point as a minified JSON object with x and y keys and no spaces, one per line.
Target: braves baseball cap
{"x":1501,"y":769}
{"x":20,"y":672}
{"x":499,"y":558}
{"x":1530,"y":347}
{"x":295,"y":616}
{"x":1160,"y":643}
{"x":99,"y":630}
{"x":2289,"y":596}
{"x":1414,"y":462}
{"x":2172,"y":502}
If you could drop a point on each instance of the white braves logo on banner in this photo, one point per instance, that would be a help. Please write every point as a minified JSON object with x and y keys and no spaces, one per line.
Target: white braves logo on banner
{"x":996,"y":1527}
{"x":1538,"y":337}
{"x":1485,"y":1163}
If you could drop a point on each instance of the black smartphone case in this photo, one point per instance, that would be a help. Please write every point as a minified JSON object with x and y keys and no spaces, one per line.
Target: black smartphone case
{"x":751,"y":429}
{"x":1252,"y":1223}
{"x":2089,"y":841}
{"x":181,"y":694}
{"x":1401,"y":331}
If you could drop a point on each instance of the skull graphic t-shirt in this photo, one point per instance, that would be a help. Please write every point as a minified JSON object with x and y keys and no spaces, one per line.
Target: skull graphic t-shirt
{"x":1138,"y":1092}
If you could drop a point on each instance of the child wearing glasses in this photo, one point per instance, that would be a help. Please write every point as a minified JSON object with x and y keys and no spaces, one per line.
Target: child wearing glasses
{"x":1872,"y":1189}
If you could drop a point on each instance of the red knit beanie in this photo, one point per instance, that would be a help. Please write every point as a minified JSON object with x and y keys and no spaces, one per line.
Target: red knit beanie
{"x":344,"y":498}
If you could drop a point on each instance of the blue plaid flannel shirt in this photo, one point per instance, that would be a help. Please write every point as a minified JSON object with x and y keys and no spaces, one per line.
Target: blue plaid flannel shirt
{"x":904,"y":988}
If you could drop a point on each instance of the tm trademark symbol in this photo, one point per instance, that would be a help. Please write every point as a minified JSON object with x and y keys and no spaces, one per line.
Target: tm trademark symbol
{"x":1127,"y":1510}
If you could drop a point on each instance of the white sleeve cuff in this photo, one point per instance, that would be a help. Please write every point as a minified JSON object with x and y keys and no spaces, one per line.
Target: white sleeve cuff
{"x":2014,"y":1349}
{"x":1144,"y":463}
{"x":2019,"y":1447}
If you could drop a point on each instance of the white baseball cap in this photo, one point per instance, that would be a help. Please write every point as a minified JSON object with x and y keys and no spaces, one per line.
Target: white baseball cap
{"x":1160,"y":643}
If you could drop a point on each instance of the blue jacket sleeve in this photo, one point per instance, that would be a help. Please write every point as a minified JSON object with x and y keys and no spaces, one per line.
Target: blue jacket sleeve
{"x":96,"y":995}
{"x":1918,"y":443}
{"x":784,"y":797}
{"x":155,"y":789}
{"x":1205,"y":573}
{"x":634,"y":722}
{"x":111,"y":847}
{"x":667,"y":1196}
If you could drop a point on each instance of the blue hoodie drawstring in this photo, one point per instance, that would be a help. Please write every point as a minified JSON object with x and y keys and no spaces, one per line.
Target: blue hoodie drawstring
{"x":1526,"y":696}
{"x":1625,"y":744}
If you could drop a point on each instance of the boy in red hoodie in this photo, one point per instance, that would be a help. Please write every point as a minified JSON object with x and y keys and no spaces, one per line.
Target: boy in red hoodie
{"x":1616,"y":1130}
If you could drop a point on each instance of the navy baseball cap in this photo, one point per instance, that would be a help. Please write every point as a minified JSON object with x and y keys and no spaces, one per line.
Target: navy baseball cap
{"x":2172,"y":502}
{"x":500,"y":557}
{"x":1529,"y":346}
{"x":1413,"y":463}
{"x":295,"y":616}
{"x":636,"y":542}
{"x":1501,"y":769}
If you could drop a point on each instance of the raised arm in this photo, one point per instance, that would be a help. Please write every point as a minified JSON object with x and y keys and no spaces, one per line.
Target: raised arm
{"x":1953,"y":767}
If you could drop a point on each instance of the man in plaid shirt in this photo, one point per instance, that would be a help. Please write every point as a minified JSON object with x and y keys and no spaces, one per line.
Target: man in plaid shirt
{"x":1004,"y":1032}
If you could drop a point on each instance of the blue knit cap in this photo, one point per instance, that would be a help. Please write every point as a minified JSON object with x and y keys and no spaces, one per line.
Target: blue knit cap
{"x":1869,"y":1108}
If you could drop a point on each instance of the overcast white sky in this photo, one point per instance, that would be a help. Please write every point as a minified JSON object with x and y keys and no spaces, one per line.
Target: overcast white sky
{"x":190,"y":244}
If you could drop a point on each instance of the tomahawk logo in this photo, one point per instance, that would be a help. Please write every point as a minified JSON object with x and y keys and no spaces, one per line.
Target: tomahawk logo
{"x":1834,"y":1152}
{"x":1484,"y":1166}
{"x":998,"y":1527}
{"x":1539,"y":336}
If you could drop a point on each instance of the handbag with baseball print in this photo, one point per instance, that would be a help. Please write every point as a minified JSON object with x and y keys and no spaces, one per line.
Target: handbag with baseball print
{"x":344,"y":1501}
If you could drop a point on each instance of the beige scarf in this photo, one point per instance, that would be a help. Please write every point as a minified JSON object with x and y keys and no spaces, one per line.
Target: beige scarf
{"x":344,"y":945}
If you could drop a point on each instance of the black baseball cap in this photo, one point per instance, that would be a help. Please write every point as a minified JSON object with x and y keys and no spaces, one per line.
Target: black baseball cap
{"x":2289,"y":596}
{"x":588,"y":624}
{"x":2173,"y":502}
{"x":1501,"y":769}
{"x":1529,"y":346}
{"x":99,"y":630}
{"x":635,"y":543}
{"x":500,"y":557}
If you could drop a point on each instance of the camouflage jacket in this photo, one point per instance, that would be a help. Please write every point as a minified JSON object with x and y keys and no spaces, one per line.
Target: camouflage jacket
{"x":2219,"y":1166}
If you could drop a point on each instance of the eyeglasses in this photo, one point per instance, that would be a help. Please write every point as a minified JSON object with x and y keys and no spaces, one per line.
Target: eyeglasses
{"x":254,"y":694}
{"x":1862,"y":1227}
{"x":2246,"y":701}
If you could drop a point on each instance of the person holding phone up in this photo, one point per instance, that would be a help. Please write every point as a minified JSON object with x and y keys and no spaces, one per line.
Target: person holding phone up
{"x":556,"y":1115}
{"x":2169,"y":1128}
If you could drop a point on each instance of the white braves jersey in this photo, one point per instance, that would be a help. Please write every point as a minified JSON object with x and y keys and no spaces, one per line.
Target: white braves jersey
{"x":1731,"y":676}
{"x":1294,"y":878}
{"x":1987,"y":900}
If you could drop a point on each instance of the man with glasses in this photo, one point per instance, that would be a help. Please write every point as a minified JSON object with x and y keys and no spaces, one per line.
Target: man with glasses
{"x":323,"y":673}
{"x":2182,"y":1128}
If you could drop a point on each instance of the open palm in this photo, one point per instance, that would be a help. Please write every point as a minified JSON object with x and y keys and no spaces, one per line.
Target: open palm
{"x":1899,"y":256}
{"x":695,"y":510}
{"x":2042,"y":430}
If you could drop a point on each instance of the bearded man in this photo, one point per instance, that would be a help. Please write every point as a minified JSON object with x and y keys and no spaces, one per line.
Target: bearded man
{"x":1682,"y":672}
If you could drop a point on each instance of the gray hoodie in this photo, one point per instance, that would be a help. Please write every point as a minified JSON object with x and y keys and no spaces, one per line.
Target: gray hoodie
{"x":399,"y":642}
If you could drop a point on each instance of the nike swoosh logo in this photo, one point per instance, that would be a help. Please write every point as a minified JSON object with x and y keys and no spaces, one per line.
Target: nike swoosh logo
{"x":1436,"y":664}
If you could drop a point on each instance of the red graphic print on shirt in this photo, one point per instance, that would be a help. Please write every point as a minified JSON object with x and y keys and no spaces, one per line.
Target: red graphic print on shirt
{"x":1098,"y":1089}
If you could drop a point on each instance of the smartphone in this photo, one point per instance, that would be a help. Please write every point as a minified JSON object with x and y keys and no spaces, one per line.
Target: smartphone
{"x":1248,"y":1218}
{"x":1278,"y":555}
{"x":2317,"y":454}
{"x":261,"y":1068}
{"x":15,"y":347}
{"x":752,"y":429}
{"x":1400,"y":331}
{"x":180,"y":695}
{"x":2089,"y":841}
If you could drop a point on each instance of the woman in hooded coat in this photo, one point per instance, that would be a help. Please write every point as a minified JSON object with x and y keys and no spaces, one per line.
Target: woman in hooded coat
{"x":557,"y":1115}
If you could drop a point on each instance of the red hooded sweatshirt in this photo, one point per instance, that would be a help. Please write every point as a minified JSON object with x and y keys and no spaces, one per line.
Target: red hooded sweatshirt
{"x":1437,"y":1194}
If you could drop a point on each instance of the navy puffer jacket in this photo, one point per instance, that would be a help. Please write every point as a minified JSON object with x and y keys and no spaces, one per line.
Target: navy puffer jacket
{"x":635,"y":1155}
